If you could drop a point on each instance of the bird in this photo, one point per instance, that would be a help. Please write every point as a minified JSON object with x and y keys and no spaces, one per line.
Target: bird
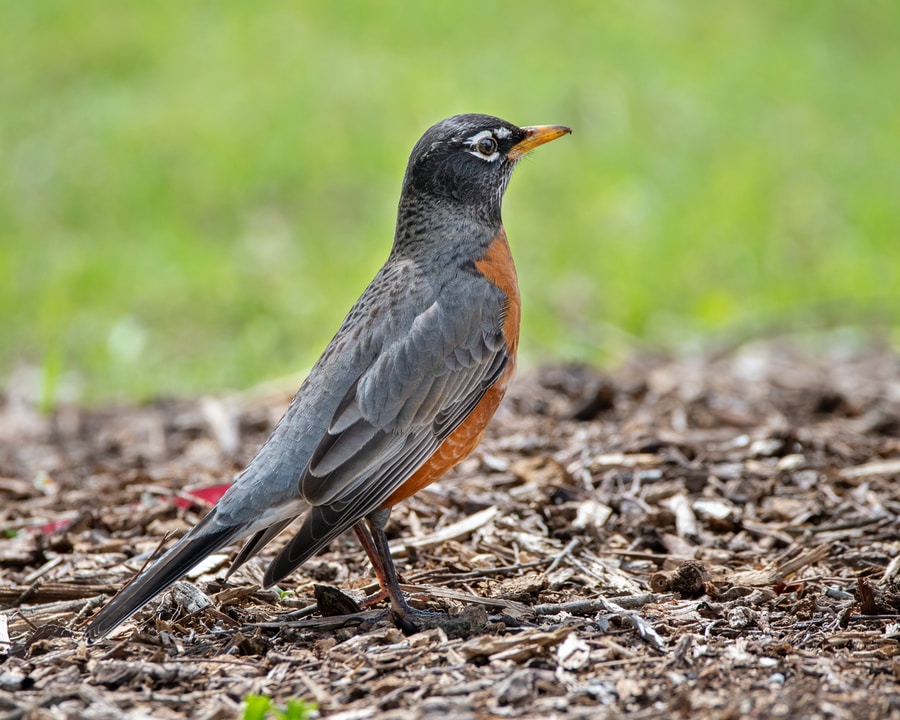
{"x":404,"y":390}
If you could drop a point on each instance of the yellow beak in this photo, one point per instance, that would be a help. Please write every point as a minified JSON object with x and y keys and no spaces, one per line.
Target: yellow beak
{"x":537,"y":135}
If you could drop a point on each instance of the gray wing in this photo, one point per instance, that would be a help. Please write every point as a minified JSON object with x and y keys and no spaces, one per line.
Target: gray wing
{"x":420,"y":388}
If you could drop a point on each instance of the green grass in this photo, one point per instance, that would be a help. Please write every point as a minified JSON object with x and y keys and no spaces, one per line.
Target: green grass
{"x":192,"y":195}
{"x":259,"y":707}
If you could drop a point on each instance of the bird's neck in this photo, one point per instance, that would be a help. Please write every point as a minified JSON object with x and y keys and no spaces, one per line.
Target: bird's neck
{"x":455,"y":230}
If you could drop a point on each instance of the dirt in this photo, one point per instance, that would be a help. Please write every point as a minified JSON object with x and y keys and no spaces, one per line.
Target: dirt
{"x":695,"y":536}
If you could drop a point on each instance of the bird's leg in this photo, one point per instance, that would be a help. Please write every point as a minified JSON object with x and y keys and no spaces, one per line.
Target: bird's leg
{"x":374,"y":541}
{"x":365,"y":539}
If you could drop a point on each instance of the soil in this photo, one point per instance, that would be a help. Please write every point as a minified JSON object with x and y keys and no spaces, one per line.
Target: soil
{"x":695,"y":536}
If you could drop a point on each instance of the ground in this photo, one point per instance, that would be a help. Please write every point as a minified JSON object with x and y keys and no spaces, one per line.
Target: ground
{"x":703,"y":537}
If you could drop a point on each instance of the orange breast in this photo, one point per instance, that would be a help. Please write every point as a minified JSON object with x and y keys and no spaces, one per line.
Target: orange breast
{"x":497,"y":267}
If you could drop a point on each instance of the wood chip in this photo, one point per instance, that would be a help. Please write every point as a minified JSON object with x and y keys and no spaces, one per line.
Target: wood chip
{"x":881,"y":467}
{"x":456,"y":531}
{"x":773,"y":471}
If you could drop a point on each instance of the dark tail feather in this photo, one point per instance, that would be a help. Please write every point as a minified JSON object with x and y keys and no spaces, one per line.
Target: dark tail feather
{"x":180,"y":558}
{"x":256,"y":543}
{"x":320,"y":526}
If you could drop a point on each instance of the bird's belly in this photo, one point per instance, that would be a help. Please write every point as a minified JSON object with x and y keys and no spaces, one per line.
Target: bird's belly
{"x":458,"y":444}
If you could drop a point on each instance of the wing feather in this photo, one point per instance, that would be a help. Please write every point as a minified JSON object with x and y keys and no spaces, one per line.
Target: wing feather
{"x":396,"y":414}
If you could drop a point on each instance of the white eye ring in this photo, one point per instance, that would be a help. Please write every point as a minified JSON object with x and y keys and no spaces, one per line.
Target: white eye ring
{"x":487,"y":146}
{"x":484,"y":146}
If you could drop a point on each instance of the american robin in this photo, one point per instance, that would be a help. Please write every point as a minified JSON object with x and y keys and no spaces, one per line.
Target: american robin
{"x":404,"y":390}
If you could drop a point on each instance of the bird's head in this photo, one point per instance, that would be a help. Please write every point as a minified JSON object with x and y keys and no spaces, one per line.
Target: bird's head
{"x":468,"y":159}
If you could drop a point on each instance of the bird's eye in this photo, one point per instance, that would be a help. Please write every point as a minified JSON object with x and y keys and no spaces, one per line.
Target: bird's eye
{"x":487,"y":145}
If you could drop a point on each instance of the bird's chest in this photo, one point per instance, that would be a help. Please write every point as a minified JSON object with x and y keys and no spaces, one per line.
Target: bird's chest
{"x":498,"y":268}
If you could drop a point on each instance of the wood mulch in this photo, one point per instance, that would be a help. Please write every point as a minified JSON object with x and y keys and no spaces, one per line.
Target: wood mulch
{"x":697,"y":537}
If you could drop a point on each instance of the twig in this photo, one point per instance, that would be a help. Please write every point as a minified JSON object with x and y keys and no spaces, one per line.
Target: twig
{"x":881,"y":467}
{"x":439,"y":576}
{"x":588,"y":607}
{"x":849,"y":525}
{"x":627,"y":661}
{"x":319,"y":623}
{"x":567,"y":550}
{"x":510,"y":605}
{"x":457,"y":530}
{"x":40,"y":593}
{"x":652,"y":557}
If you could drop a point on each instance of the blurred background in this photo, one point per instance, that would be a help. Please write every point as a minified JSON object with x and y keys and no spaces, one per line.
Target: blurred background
{"x":193,"y":194}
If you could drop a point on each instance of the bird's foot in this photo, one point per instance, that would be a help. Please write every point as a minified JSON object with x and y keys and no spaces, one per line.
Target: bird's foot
{"x":374,"y":598}
{"x":473,"y":620}
{"x":408,"y":619}
{"x":411,"y":621}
